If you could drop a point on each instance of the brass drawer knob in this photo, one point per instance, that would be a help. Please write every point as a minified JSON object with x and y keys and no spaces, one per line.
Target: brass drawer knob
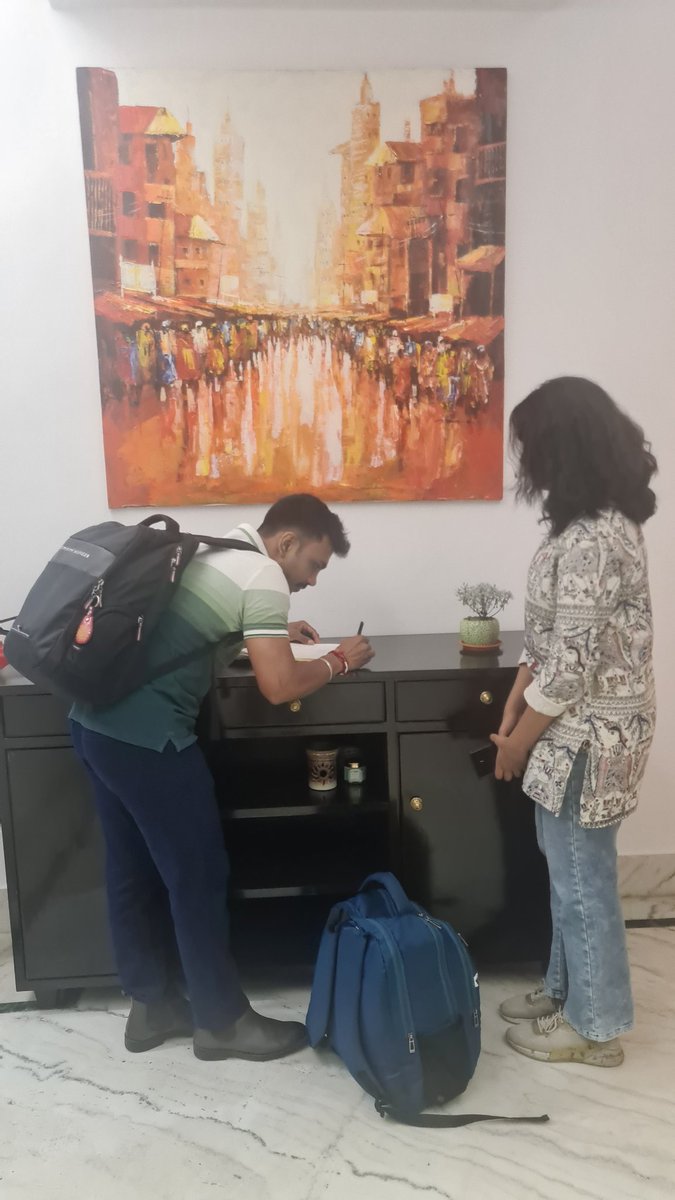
{"x":295,"y":705}
{"x":417,"y":803}
{"x":486,"y":698}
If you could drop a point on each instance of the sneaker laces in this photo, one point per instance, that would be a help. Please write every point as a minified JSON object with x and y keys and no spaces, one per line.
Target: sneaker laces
{"x":536,"y":995}
{"x":551,"y":1023}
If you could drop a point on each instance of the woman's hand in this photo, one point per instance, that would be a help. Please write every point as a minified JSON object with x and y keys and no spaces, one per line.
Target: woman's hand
{"x":511,"y":757}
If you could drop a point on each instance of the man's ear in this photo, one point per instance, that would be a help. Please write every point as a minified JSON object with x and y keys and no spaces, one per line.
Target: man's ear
{"x":286,"y":543}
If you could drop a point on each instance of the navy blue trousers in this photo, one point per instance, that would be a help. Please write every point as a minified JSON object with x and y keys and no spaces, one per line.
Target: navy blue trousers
{"x":166,"y":873}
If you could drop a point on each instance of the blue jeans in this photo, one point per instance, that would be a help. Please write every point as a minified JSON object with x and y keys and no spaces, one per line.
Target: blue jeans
{"x":588,"y":969}
{"x":166,"y":873}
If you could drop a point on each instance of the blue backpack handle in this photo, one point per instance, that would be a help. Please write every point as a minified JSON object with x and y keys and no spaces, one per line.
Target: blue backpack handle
{"x":386,"y":882}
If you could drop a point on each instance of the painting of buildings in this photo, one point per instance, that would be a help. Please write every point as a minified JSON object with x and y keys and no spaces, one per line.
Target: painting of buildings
{"x":298,"y":283}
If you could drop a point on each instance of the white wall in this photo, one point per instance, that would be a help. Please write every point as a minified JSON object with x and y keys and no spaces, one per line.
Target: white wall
{"x":591,"y":245}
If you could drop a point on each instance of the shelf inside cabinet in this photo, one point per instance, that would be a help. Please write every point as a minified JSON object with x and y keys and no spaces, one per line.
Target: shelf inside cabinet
{"x":281,"y":858}
{"x":333,"y":883}
{"x":344,"y":803}
{"x":268,"y":780}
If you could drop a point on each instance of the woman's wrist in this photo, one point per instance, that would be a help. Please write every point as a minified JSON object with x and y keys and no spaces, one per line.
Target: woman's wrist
{"x":529,"y":729}
{"x":519,"y":743}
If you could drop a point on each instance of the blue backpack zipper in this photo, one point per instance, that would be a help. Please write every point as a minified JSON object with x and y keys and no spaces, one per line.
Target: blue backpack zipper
{"x":439,"y":930}
{"x":370,"y":924}
{"x":470,"y":978}
{"x":437,"y":935}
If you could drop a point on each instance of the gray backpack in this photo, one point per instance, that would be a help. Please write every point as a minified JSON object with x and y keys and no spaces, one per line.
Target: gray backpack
{"x":84,"y":628}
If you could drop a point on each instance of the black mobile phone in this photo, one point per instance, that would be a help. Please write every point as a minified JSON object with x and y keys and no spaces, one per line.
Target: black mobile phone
{"x":484,"y":760}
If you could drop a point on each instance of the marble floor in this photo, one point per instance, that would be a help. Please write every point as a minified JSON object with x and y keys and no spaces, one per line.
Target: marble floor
{"x":82,"y":1119}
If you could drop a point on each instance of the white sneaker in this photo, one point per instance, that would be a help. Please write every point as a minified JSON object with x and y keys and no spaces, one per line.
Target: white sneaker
{"x":528,"y":1007}
{"x":552,"y":1039}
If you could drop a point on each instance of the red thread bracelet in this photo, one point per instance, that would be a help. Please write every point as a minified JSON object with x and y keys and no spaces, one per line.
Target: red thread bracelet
{"x":341,"y":658}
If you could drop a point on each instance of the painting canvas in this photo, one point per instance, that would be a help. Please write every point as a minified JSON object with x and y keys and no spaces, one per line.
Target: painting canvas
{"x":298,"y":282}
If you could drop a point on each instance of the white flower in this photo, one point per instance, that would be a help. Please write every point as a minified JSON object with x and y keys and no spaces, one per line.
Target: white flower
{"x":484,"y":599}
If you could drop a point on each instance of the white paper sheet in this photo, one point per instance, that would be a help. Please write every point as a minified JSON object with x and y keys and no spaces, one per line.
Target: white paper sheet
{"x":312,"y":651}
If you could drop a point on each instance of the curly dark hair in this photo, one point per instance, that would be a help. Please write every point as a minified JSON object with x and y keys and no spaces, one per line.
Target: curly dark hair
{"x":579,"y":451}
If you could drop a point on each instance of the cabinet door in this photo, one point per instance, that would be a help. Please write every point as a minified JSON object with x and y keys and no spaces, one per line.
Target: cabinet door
{"x":58,"y":851}
{"x":469,"y":849}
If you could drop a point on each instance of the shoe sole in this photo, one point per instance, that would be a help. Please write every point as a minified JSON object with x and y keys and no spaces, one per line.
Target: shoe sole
{"x":138,"y":1046}
{"x":216,"y":1055}
{"x":600,"y":1059}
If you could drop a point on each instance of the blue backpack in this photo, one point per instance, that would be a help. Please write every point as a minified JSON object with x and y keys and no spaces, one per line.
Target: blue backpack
{"x":396,"y":996}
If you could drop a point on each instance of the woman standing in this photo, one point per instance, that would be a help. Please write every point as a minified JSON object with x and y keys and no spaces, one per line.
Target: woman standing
{"x":580,"y":718}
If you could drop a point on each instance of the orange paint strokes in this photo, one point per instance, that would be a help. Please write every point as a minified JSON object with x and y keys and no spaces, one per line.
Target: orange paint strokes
{"x":306,"y":419}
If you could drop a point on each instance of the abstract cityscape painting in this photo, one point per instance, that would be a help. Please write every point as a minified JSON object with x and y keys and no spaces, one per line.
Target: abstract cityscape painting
{"x":298,"y":283}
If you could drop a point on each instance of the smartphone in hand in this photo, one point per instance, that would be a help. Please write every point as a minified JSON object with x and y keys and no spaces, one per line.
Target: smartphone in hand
{"x":484,"y":760}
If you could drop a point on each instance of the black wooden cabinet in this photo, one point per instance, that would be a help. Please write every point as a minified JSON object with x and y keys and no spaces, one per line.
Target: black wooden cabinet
{"x":59,"y":856}
{"x":463,"y":846}
{"x":469,"y":850}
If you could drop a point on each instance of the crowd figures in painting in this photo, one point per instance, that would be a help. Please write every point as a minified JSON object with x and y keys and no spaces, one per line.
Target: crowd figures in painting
{"x":233,"y":371}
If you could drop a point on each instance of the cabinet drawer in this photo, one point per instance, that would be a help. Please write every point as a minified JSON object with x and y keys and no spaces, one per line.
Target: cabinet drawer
{"x":464,"y":704}
{"x":35,"y":716}
{"x":344,"y":704}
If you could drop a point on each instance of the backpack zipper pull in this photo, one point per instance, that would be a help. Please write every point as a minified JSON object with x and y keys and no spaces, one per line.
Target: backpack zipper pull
{"x":175,"y":563}
{"x":96,"y":598}
{"x":429,"y":920}
{"x":85,"y":629}
{"x":140,"y":629}
{"x":411,"y":1043}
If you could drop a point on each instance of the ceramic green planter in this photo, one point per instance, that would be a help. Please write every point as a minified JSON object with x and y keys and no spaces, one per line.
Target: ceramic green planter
{"x":479,"y":631}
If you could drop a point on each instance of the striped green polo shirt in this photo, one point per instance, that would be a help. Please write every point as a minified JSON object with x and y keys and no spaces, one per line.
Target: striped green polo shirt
{"x":223,"y":597}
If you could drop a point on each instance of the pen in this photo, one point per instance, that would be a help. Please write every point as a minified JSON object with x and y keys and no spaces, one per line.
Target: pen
{"x":360,"y":629}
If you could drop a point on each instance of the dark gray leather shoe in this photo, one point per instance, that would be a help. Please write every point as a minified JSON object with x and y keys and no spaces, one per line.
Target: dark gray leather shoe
{"x":149,"y":1025}
{"x":252,"y":1037}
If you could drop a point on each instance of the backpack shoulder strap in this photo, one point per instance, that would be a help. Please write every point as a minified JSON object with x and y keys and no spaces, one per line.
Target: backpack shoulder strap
{"x":182,"y":660}
{"x":225,"y":543}
{"x":441,"y":1121}
{"x":205,"y":538}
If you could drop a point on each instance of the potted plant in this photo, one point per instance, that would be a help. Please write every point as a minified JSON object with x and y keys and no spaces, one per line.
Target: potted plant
{"x":481,"y":631}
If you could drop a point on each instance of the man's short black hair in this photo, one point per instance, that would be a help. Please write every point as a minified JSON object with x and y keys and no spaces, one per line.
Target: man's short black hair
{"x":308,"y":516}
